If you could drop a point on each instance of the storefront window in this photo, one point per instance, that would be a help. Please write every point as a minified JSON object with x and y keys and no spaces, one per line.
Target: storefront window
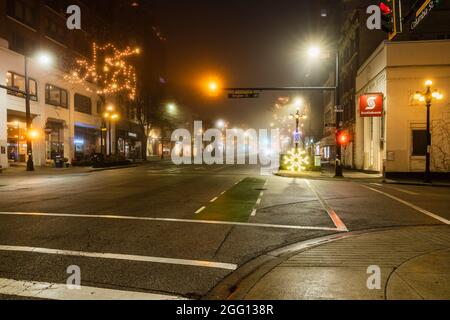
{"x":86,"y":142}
{"x":17,"y":144}
{"x":54,"y":140}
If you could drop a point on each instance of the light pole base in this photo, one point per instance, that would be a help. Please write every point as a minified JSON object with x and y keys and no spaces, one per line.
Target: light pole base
{"x":338,"y":172}
{"x":30,"y":165}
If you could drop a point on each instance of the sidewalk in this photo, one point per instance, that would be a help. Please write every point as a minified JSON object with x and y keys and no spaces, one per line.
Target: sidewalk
{"x":21,"y":170}
{"x":414,"y":264}
{"x":327,"y":174}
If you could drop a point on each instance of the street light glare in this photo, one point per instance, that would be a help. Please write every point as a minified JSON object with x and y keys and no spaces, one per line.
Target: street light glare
{"x":314,"y":52}
{"x":220,"y":124}
{"x":44,"y":59}
{"x":428,"y":83}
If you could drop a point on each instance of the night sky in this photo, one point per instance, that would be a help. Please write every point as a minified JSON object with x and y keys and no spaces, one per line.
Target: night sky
{"x":246,"y":43}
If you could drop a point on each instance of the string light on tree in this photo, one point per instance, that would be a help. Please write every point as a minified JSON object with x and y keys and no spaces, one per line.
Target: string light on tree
{"x":296,"y":160}
{"x":108,"y":69}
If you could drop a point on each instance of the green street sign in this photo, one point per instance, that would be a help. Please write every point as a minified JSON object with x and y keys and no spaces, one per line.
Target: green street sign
{"x":423,"y":11}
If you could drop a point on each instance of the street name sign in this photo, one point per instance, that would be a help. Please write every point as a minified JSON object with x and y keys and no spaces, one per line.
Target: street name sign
{"x":244,"y":94}
{"x":423,"y":11}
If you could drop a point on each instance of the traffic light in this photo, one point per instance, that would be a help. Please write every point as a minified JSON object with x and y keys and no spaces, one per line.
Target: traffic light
{"x":387,"y":17}
{"x":343,"y":138}
{"x":391,"y":17}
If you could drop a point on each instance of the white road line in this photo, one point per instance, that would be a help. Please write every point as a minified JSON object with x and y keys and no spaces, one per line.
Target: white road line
{"x":406,"y":203}
{"x":223,"y":192}
{"x":334,"y":217}
{"x":55,"y":291}
{"x":253,"y":213}
{"x":127,"y":257}
{"x":200,"y":210}
{"x":258,"y":202}
{"x":214,"y":199}
{"x":404,"y":191}
{"x":377,"y":184}
{"x":212,"y":222}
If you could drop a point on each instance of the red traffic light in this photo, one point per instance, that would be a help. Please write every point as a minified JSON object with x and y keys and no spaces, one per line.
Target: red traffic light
{"x":385,"y":9}
{"x":343,"y":138}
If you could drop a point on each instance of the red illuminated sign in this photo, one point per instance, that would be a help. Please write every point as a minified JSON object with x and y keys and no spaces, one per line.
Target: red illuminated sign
{"x":371,"y":105}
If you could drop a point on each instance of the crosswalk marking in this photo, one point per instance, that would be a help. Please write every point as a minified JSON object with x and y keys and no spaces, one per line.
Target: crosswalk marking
{"x":195,"y":263}
{"x":408,"y":204}
{"x":211,"y":222}
{"x":55,"y":291}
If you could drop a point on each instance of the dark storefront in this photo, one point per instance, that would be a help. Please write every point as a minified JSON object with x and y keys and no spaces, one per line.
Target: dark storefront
{"x":86,"y":142}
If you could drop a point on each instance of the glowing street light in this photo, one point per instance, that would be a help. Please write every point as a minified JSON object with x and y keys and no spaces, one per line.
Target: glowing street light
{"x":314,"y":52}
{"x":111,"y":116}
{"x":428,"y":96}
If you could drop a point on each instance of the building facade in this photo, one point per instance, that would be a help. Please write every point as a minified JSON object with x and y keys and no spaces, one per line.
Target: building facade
{"x":395,"y":143}
{"x":66,"y":118}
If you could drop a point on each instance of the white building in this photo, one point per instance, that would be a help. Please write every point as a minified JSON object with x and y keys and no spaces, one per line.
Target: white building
{"x":65,"y":116}
{"x":395,"y":142}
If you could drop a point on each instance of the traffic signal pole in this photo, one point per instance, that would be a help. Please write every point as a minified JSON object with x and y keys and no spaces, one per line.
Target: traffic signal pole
{"x":338,"y":163}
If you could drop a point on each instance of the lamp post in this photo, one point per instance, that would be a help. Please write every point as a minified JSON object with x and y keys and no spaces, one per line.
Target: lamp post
{"x":110,"y":116}
{"x":427,"y":97}
{"x":297,"y":116}
{"x":315,"y":52}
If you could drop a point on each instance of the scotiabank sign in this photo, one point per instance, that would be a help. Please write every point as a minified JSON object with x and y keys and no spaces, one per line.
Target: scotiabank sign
{"x":371,"y":105}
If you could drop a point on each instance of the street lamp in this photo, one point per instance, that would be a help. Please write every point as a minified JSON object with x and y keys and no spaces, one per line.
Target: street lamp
{"x":44,"y":59}
{"x":111,"y":116}
{"x":297,"y":116}
{"x":427,"y":97}
{"x":315,"y":52}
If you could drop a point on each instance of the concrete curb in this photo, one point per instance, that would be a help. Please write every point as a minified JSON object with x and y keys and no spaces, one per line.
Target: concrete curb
{"x":419,"y":184}
{"x":113,"y":168}
{"x":239,"y":283}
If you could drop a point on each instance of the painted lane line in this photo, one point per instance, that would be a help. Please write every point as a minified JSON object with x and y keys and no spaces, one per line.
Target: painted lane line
{"x":214,"y":199}
{"x":258,"y":202}
{"x":223,"y":192}
{"x":333,"y":215}
{"x":404,"y":191}
{"x":55,"y":291}
{"x":408,"y":204}
{"x":200,"y":210}
{"x":127,"y":257}
{"x":377,"y":184}
{"x":253,"y":213}
{"x":211,"y":222}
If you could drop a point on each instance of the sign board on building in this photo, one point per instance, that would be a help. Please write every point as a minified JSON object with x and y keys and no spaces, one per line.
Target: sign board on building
{"x":244,"y":94}
{"x":371,"y":105}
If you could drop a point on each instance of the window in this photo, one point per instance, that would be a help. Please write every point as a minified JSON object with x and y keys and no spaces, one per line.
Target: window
{"x":83,"y":104}
{"x":22,"y":11}
{"x":56,"y":96}
{"x":419,"y":143}
{"x":55,"y":31}
{"x":15,"y":81}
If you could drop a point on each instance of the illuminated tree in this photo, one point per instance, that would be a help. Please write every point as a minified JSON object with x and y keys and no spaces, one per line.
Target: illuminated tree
{"x":109,"y":69}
